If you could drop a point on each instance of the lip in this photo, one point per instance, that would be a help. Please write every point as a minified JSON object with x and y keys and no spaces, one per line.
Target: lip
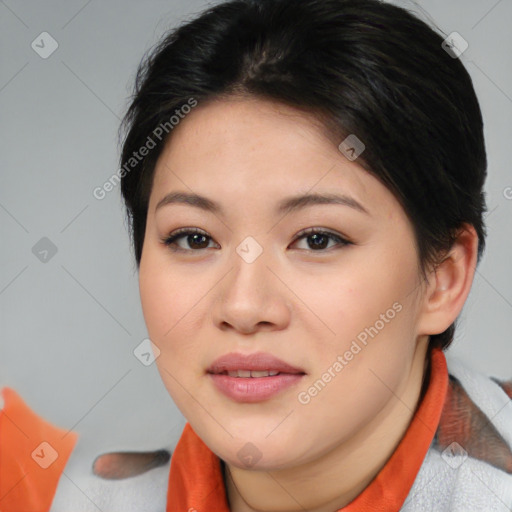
{"x":258,"y":361}
{"x":253,"y":389}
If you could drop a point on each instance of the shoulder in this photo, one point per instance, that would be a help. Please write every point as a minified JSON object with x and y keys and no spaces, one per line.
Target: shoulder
{"x":115,"y":481}
{"x":469,"y":464}
{"x":33,"y":454}
{"x":57,"y":470}
{"x":488,"y":403}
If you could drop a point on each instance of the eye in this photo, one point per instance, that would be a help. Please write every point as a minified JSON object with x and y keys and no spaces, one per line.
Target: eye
{"x":320,"y":238}
{"x":196,"y":239}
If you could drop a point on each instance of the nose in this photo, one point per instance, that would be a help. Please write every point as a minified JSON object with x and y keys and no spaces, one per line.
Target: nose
{"x":252,"y":297}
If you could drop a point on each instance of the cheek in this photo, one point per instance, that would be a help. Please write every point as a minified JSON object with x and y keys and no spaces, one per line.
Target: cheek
{"x":370,"y":308}
{"x":167,"y":307}
{"x":354,"y":297}
{"x":163,"y":297}
{"x":172,"y":308}
{"x":154,"y":296}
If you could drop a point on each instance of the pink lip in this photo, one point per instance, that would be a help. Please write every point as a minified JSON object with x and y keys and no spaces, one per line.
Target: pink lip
{"x":253,"y":389}
{"x":258,"y":361}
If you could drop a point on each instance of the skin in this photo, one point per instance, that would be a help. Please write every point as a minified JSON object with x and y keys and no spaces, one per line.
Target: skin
{"x":301,"y":304}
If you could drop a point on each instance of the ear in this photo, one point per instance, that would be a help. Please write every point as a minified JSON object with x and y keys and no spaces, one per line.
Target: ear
{"x":449,"y":284}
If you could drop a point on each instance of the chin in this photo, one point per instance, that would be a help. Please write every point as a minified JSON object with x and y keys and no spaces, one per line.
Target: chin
{"x":258,"y":453}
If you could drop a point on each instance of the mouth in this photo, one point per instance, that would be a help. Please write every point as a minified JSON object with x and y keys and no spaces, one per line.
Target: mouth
{"x":254,"y":377}
{"x":255,"y":365}
{"x":255,"y":374}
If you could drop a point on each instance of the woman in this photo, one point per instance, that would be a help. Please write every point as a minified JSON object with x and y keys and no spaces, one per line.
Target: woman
{"x":304,"y":183}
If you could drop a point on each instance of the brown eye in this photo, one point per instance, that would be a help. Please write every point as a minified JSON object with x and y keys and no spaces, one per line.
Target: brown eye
{"x":196,"y":239}
{"x":318,"y":240}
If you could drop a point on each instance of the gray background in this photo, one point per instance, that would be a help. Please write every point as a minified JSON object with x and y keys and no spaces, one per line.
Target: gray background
{"x":69,"y":325}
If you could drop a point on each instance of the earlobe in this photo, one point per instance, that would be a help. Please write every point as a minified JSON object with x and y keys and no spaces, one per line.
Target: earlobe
{"x":450,"y":284}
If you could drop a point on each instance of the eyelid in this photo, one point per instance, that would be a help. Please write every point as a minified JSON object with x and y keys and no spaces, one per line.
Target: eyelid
{"x":323,"y":231}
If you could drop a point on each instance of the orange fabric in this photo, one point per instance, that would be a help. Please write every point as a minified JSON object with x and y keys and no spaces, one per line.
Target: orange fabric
{"x":195,"y":478}
{"x":196,"y":483}
{"x":389,"y":489}
{"x":33,"y":454}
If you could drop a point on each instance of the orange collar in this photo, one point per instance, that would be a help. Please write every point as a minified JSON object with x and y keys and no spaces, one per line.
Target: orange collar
{"x":196,"y":483}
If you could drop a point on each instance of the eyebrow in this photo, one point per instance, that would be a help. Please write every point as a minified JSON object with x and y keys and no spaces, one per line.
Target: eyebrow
{"x":285,"y":206}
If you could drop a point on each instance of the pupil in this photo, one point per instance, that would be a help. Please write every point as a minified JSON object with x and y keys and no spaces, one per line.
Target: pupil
{"x":316,"y":237}
{"x":193,"y":237}
{"x":317,"y":240}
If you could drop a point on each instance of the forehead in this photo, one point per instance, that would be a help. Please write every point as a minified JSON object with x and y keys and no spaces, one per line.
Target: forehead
{"x":252,"y":149}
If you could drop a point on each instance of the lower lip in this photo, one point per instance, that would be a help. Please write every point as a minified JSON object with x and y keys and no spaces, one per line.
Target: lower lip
{"x":254,"y":389}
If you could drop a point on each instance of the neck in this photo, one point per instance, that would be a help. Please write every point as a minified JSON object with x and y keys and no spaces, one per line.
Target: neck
{"x":333,"y":480}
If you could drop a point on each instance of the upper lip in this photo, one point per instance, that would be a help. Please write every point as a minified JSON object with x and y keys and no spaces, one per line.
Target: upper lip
{"x":258,"y":361}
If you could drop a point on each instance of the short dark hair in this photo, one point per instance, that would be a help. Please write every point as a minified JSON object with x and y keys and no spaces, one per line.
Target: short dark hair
{"x":362,"y":67}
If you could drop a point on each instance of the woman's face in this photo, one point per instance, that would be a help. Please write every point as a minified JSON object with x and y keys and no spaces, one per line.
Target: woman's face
{"x":342,"y":312}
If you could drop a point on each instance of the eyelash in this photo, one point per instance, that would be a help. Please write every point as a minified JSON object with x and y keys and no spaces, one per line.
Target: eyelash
{"x":170,"y":241}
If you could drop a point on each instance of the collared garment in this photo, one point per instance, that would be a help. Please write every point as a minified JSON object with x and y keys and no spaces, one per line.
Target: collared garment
{"x":454,"y":457}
